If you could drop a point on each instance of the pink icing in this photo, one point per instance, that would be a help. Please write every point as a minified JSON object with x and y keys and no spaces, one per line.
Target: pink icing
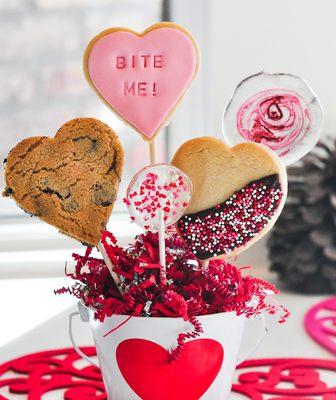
{"x":143,"y":78}
{"x":277,"y":118}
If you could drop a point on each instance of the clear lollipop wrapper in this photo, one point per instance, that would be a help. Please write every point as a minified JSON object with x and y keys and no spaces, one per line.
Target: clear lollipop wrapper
{"x":158,"y":194}
{"x":280,"y":111}
{"x":156,"y":198}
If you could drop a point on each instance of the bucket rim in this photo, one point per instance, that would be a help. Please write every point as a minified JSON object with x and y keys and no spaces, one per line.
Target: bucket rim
{"x":140,"y":318}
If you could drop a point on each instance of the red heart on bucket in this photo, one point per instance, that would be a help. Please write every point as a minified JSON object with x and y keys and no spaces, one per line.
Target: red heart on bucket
{"x":147,"y":369}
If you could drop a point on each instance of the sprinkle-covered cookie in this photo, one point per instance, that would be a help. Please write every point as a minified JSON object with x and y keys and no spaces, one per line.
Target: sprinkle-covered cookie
{"x":238,"y":194}
{"x":70,"y":181}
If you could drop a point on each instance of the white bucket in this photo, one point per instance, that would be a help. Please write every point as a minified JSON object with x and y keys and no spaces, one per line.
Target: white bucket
{"x":135,"y":363}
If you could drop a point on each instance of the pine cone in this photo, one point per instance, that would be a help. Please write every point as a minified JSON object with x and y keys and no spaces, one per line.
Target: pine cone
{"x":302,"y":245}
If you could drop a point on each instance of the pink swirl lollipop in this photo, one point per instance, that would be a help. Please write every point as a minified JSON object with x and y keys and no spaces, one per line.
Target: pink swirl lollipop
{"x":158,"y":193}
{"x":279,"y":111}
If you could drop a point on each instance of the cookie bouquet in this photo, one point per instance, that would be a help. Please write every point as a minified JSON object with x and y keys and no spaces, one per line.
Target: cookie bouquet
{"x":168,"y":311}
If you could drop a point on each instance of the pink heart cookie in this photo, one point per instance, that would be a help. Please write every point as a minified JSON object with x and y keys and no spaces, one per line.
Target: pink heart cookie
{"x":142,"y":76}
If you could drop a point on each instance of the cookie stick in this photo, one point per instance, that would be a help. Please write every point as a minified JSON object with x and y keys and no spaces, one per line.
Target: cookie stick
{"x":109,"y":265}
{"x":152,"y":152}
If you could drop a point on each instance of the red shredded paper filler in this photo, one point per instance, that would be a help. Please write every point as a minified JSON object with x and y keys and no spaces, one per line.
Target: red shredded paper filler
{"x":35,"y":375}
{"x":190,"y":291}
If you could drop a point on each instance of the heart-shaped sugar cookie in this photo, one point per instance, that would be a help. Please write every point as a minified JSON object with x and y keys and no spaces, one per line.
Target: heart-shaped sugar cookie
{"x":238,"y":194}
{"x":70,"y":181}
{"x":142,"y":76}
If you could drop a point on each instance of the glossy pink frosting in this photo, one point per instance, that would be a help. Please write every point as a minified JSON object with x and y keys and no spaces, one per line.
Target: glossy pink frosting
{"x":143,"y":78}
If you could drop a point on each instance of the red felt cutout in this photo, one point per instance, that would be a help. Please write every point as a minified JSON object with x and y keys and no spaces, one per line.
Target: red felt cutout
{"x":187,"y":378}
{"x":286,"y":379}
{"x":320,"y":323}
{"x":49,"y":371}
{"x":36,"y":375}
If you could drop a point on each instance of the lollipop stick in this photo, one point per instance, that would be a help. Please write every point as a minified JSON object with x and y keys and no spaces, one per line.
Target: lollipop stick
{"x":109,"y":264}
{"x":152,"y":152}
{"x":162,"y":246}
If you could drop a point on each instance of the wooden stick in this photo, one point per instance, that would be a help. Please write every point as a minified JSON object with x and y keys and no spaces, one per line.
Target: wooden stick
{"x":152,"y":152}
{"x":204,"y":264}
{"x":109,"y":265}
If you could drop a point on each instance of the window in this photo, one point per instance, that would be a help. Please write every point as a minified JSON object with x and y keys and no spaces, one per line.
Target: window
{"x":43,"y":86}
{"x":42,"y":83}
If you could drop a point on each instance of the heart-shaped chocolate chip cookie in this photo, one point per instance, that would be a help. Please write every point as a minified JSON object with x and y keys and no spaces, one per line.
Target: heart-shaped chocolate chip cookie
{"x":238,"y":194}
{"x":70,"y":181}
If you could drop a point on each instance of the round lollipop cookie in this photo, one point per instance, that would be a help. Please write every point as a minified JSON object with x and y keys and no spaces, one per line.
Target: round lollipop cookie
{"x":279,"y":111}
{"x":158,"y":194}
{"x":238,"y":194}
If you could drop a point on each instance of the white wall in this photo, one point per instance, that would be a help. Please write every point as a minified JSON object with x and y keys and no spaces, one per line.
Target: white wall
{"x":241,"y":37}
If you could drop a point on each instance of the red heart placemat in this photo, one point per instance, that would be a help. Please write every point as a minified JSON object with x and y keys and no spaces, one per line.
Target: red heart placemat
{"x":320,"y":323}
{"x":35,"y":375}
{"x":287,"y":379}
{"x":48,"y":371}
